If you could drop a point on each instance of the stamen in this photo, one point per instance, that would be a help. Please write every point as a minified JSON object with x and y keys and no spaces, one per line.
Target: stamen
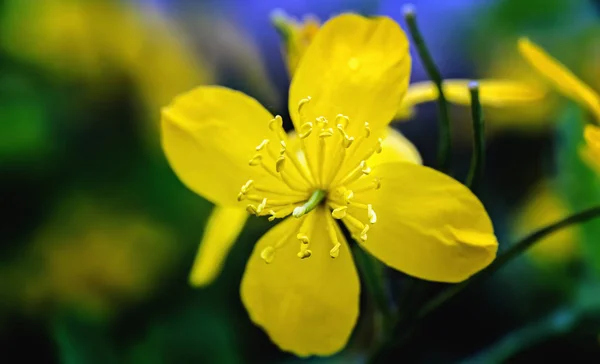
{"x":340,"y":212}
{"x":251,"y":210}
{"x":341,"y":119}
{"x":358,"y":226}
{"x":262,"y":145}
{"x":304,"y":243}
{"x":256,"y":160}
{"x":374,"y":185}
{"x":305,"y":130}
{"x":281,"y":212}
{"x":304,"y":252}
{"x":347,"y":142}
{"x":261,"y":206}
{"x":268,"y":253}
{"x":360,"y":170}
{"x":335,"y":251}
{"x":303,"y":103}
{"x":371,"y":214}
{"x":348,"y":195}
{"x":280,"y":163}
{"x":367,"y":130}
{"x":283,"y":202}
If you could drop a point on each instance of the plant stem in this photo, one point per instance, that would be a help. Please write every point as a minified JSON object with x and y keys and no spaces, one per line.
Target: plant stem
{"x":478,"y":159}
{"x":444,"y":140}
{"x":511,"y":253}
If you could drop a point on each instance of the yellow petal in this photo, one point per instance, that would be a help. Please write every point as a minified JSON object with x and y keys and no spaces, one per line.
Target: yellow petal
{"x":209,"y":134}
{"x":306,"y":306}
{"x":543,"y":207}
{"x":591,"y":150}
{"x":563,"y":79}
{"x":296,"y":36}
{"x":221,"y":231}
{"x":355,"y":66}
{"x":396,"y":148}
{"x":428,"y":225}
{"x":492,"y":92}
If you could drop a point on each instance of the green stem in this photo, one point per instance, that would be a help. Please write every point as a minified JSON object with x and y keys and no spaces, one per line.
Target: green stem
{"x":511,"y":253}
{"x":444,"y":141}
{"x":478,"y":159}
{"x":557,"y":323}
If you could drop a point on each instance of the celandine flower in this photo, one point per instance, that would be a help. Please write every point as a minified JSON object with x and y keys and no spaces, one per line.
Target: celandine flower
{"x":572,"y":87}
{"x":300,"y":284}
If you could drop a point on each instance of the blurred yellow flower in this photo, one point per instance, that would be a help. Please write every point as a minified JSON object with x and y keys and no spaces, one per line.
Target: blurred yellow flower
{"x":544,"y":206}
{"x":342,"y":163}
{"x":96,"y":40}
{"x":496,"y":93}
{"x":89,"y":258}
{"x":570,"y":86}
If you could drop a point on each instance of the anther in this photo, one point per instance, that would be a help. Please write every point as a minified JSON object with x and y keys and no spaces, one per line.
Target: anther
{"x":262,"y":145}
{"x":273,"y":215}
{"x":348,"y":140}
{"x":379,"y":146}
{"x":261,"y":206}
{"x":364,"y":168}
{"x":267,"y":254}
{"x":252,"y":210}
{"x":322,"y":121}
{"x":371,"y":214}
{"x":241,"y":196}
{"x":335,"y":251}
{"x":304,"y":253}
{"x":256,"y":160}
{"x":340,"y":212}
{"x":367,"y":130}
{"x":276,"y":123}
{"x":304,"y":242}
{"x":326,"y":133}
{"x":377,"y":183}
{"x":363,"y":233}
{"x":305,"y":130}
{"x":341,"y":119}
{"x":280,"y":163}
{"x":302,"y":103}
{"x":348,"y":195}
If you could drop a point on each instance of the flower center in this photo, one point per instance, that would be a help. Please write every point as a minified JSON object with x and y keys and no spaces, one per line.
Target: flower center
{"x":325,"y":166}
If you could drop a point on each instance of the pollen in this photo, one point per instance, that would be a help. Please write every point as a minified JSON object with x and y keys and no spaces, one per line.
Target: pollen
{"x":325,"y":167}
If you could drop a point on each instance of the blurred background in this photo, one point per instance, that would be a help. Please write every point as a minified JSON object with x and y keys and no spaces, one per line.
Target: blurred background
{"x":98,"y":235}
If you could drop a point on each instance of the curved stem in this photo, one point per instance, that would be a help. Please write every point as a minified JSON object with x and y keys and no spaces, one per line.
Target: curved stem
{"x":511,"y":253}
{"x":445,"y":140}
{"x":478,"y":158}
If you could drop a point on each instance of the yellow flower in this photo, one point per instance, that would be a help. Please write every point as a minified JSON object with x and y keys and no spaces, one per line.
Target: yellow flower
{"x":544,"y":206}
{"x":297,"y":35}
{"x":572,"y":87}
{"x":300,"y":284}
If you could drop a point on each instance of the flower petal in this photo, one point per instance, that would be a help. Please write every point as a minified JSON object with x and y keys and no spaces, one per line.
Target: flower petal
{"x":428,"y":225}
{"x":396,"y":148}
{"x":221,"y":232}
{"x":563,"y":79}
{"x":209,"y":134}
{"x":306,"y":306}
{"x":590,"y":152}
{"x":495,"y":93}
{"x":355,"y":66}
